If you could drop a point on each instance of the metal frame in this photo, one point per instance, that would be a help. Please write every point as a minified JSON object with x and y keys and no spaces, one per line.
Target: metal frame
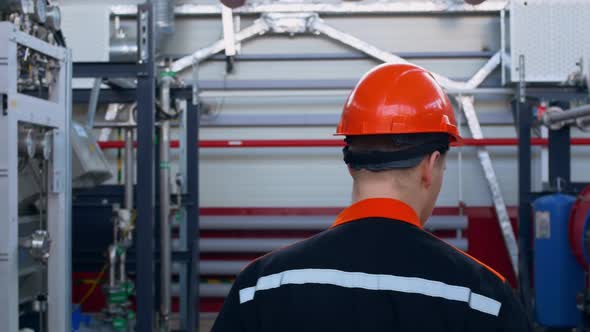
{"x":54,"y":113}
{"x":144,"y":252}
{"x":144,"y":71}
{"x":523,"y":112}
{"x":192,"y":213}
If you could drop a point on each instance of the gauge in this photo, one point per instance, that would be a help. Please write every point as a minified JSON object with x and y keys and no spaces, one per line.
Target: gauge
{"x":54,"y":18}
{"x":40,"y":11}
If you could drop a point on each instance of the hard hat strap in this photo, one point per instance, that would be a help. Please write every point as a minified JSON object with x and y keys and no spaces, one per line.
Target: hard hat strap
{"x":385,"y":160}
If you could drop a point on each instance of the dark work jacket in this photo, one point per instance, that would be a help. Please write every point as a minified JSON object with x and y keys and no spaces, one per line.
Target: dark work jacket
{"x":375,"y":269}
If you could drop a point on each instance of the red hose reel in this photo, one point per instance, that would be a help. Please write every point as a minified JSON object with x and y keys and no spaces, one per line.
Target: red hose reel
{"x":578,"y":226}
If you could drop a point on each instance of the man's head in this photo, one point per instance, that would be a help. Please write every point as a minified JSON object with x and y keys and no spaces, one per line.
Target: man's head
{"x":408,"y":167}
{"x":398,"y":124}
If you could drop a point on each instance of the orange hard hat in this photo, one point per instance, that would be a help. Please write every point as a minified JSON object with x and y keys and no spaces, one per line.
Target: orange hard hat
{"x":398,"y":99}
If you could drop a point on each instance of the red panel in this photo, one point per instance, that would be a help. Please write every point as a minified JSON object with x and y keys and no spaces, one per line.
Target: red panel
{"x":292,"y":143}
{"x":486,"y":242}
{"x":80,"y":287}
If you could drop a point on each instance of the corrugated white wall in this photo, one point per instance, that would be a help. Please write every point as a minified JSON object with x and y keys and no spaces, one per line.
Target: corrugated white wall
{"x":317,"y":176}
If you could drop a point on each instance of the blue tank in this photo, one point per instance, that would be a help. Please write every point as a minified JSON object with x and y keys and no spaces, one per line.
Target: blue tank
{"x":558,"y":277}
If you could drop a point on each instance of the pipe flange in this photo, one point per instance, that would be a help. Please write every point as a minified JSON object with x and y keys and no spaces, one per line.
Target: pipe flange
{"x":26,"y":142}
{"x":547,"y":121}
{"x":39,"y":245}
{"x":583,"y":123}
{"x":289,"y":23}
{"x":46,"y":145}
{"x":54,"y":17}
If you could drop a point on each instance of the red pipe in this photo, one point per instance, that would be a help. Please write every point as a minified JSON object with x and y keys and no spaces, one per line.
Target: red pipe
{"x":333,"y":143}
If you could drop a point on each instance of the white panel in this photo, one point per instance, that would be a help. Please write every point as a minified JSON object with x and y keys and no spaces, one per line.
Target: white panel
{"x":552,"y":36}
{"x":86,"y":28}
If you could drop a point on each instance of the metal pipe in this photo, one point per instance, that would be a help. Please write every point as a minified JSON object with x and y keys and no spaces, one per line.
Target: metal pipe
{"x":165,"y":236}
{"x":27,"y":142}
{"x":228,"y":88}
{"x":293,"y":120}
{"x":122,"y":267}
{"x":337,"y":8}
{"x":217,"y":267}
{"x":93,"y":103}
{"x":258,"y":245}
{"x":222,"y":268}
{"x":164,"y":17}
{"x":351,"y":56}
{"x":129,"y":169}
{"x":123,"y":49}
{"x":484,"y":72}
{"x":315,"y":223}
{"x":112,"y":265}
{"x":206,"y":290}
{"x":555,"y":116}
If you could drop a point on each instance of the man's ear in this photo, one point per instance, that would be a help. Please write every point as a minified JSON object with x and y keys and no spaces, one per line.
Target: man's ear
{"x":428,"y":167}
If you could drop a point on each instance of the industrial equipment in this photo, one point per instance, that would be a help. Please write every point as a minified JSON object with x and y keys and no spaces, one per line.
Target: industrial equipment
{"x":544,"y":44}
{"x":35,"y":173}
{"x":89,"y":166}
{"x":558,"y":277}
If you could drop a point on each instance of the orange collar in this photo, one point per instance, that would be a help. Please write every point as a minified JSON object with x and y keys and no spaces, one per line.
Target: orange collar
{"x":379,"y":208}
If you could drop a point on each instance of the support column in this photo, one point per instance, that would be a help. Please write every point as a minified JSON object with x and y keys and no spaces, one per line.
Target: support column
{"x":146,"y":88}
{"x":559,"y":158}
{"x":192,"y":150}
{"x":523,"y":112}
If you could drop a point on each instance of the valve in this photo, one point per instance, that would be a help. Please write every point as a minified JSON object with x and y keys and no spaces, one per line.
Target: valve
{"x":39,"y":245}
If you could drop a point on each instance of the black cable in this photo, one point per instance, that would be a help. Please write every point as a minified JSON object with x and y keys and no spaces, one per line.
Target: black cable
{"x":60,"y":39}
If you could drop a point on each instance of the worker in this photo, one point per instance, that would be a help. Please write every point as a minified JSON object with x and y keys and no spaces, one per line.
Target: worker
{"x":376,"y":268}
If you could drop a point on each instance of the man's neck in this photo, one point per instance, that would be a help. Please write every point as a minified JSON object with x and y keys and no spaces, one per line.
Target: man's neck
{"x":359,"y":194}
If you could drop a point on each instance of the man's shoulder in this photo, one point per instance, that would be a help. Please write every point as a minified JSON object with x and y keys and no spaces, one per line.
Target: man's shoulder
{"x":461,"y":263}
{"x":287,"y":257}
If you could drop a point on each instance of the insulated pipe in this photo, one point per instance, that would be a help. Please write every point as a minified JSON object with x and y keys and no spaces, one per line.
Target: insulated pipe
{"x":165,"y":236}
{"x":259,"y":27}
{"x":123,"y":50}
{"x":554,"y":116}
{"x":164,"y":16}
